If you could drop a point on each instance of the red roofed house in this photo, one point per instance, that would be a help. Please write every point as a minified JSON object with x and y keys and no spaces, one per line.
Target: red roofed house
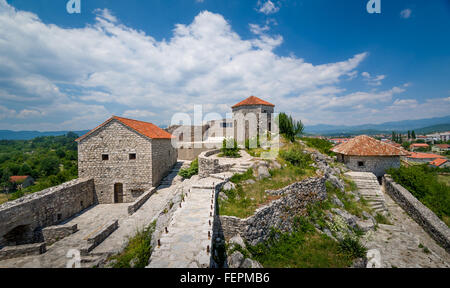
{"x":125,"y":157}
{"x":415,"y":146}
{"x":251,"y":117}
{"x":440,"y":163}
{"x":441,"y":148}
{"x":423,"y":157}
{"x":366,"y":154}
{"x":21,"y":181}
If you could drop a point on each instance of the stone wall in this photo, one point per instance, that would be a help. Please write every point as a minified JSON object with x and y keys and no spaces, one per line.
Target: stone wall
{"x":437,"y":229}
{"x":208,"y":165}
{"x":21,"y":220}
{"x":132,"y":208}
{"x":154,"y":158}
{"x":53,"y":234}
{"x":22,"y":251}
{"x":164,"y":157}
{"x":278,"y":214}
{"x":376,"y":165}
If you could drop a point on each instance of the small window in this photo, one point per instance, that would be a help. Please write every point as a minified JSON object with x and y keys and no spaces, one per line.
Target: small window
{"x":133,"y":156}
{"x":360,"y":164}
{"x":105,"y":157}
{"x":59,"y":217}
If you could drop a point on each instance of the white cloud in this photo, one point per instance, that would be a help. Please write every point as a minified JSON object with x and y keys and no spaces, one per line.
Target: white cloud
{"x":267,"y":7}
{"x":375,"y":80}
{"x":76,"y":78}
{"x":405,"y":14}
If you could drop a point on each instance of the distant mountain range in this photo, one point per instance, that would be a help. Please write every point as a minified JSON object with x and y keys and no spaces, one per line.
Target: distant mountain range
{"x":419,"y":126}
{"x":27,"y":135}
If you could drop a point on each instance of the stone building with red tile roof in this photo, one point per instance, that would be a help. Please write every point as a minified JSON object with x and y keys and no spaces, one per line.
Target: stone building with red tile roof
{"x":366,"y":154}
{"x":252,"y":117}
{"x":22,"y":181}
{"x":125,"y":157}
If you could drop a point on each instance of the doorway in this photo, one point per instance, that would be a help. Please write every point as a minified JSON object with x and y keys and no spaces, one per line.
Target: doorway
{"x":118,"y":193}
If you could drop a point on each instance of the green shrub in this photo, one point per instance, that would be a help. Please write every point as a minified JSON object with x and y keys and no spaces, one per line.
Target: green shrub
{"x":352,"y":247}
{"x":296,"y":157}
{"x":423,"y":183}
{"x":322,"y":145}
{"x":191,"y":171}
{"x":230,"y":148}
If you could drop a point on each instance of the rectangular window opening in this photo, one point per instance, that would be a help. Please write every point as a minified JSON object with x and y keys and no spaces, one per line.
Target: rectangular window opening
{"x":133,"y":156}
{"x":105,"y":157}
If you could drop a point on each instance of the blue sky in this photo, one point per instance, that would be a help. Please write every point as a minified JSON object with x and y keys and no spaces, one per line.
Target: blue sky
{"x":324,"y":62}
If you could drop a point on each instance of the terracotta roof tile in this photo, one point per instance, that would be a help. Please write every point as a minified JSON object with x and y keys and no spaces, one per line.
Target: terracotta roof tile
{"x":15,"y":179}
{"x":425,"y":156}
{"x":252,"y":100}
{"x":145,"y":128}
{"x":443,"y":146}
{"x":419,"y":145}
{"x":438,"y":162}
{"x":368,"y":146}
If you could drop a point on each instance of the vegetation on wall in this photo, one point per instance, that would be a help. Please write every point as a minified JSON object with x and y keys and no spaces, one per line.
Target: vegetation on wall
{"x":191,"y":171}
{"x":423,"y":182}
{"x":138,"y":251}
{"x":50,"y":160}
{"x":230,"y":148}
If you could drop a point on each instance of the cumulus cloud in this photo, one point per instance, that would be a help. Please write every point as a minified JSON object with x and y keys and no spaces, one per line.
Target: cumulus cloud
{"x":54,"y":78}
{"x":405,"y":14}
{"x":267,"y":7}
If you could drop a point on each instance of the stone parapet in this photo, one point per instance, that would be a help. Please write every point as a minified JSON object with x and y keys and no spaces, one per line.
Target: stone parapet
{"x":437,"y":229}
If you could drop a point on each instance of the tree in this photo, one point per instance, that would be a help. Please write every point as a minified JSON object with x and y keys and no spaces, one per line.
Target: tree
{"x":409,"y":134}
{"x":50,"y":166}
{"x":289,"y":127}
{"x":413,"y":135}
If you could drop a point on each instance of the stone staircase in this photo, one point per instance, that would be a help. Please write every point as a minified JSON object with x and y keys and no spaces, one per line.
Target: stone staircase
{"x":188,"y":240}
{"x":369,"y":189}
{"x":170,"y":178}
{"x":241,"y":167}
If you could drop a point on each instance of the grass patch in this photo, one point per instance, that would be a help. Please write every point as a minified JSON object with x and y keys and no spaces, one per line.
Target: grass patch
{"x":381,"y":219}
{"x":305,"y":248}
{"x":444,"y":179}
{"x":321,"y":145}
{"x":3,"y":198}
{"x":137,"y":250}
{"x":246,"y":198}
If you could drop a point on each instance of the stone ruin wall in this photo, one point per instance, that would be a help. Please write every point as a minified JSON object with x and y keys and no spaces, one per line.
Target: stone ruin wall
{"x":208,"y":165}
{"x":278,"y":214}
{"x":22,"y":220}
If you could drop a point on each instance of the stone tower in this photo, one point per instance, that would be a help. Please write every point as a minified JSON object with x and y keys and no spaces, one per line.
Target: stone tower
{"x":252,"y":117}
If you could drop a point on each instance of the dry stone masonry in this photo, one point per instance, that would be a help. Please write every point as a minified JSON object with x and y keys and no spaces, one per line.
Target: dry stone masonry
{"x":277,"y":214}
{"x":437,"y":229}
{"x":21,"y":220}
